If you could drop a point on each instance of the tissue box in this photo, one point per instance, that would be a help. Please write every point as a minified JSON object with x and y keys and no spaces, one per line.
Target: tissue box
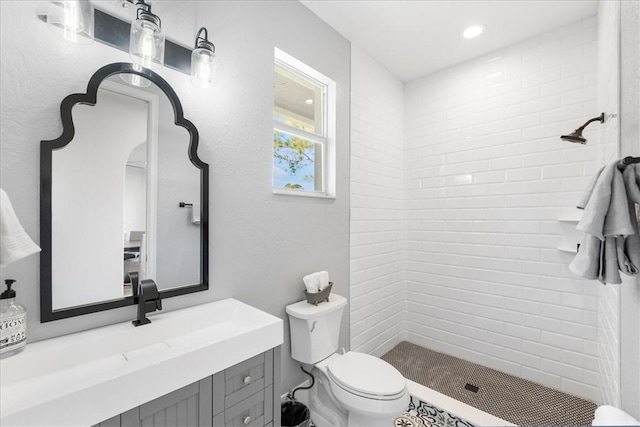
{"x":320,"y":296}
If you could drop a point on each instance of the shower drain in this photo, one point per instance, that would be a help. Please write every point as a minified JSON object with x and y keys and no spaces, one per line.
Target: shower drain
{"x":471,"y":387}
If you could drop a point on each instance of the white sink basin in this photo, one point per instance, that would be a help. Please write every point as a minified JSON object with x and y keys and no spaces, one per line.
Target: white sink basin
{"x":88,"y":377}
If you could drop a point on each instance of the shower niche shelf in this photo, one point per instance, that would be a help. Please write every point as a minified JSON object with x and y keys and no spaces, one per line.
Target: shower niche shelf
{"x":570,"y":237}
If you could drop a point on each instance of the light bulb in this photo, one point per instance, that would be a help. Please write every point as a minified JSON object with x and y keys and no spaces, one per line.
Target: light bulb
{"x":202,"y":63}
{"x":147,"y":44}
{"x":71,"y":16}
{"x":73,"y":20}
{"x":147,"y":47}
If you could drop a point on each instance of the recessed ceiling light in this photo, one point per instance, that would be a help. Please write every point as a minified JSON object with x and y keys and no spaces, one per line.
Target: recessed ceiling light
{"x":308,"y":101}
{"x":473,"y":31}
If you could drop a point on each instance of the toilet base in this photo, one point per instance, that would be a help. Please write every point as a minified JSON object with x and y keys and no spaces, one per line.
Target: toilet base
{"x":324,"y":406}
{"x":326,"y":411}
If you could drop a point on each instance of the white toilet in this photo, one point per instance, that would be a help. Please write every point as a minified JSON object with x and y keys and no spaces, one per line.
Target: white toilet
{"x":352,"y":389}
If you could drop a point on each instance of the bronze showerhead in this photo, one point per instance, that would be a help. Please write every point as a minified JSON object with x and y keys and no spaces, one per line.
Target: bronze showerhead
{"x":576,"y":135}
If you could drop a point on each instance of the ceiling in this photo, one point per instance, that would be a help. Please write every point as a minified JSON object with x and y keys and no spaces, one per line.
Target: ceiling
{"x":414,"y":38}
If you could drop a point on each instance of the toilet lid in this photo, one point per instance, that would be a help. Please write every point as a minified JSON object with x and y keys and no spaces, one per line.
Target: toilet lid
{"x":365,"y":374}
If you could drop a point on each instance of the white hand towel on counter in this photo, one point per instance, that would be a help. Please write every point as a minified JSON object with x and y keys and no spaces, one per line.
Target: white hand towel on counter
{"x":15,"y":243}
{"x":195,"y":213}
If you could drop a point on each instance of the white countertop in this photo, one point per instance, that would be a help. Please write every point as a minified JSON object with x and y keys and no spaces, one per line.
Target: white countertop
{"x":90,"y":376}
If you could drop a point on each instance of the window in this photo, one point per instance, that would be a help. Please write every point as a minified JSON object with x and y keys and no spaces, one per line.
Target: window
{"x":303,"y":129}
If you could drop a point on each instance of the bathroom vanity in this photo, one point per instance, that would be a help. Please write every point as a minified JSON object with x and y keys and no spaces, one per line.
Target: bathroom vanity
{"x":242,"y":395}
{"x":216,"y":364}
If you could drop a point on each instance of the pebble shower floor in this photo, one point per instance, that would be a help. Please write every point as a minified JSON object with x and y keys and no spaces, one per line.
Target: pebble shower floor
{"x":511,"y":398}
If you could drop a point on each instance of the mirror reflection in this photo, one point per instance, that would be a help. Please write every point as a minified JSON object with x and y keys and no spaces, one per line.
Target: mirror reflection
{"x":125,"y":198}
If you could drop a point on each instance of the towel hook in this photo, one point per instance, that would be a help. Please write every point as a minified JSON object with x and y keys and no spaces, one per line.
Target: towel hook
{"x":623,"y":163}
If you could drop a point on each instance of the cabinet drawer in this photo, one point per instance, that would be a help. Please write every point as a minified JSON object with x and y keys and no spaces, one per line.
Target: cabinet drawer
{"x":244,"y":380}
{"x":218,"y":421}
{"x":248,"y":413}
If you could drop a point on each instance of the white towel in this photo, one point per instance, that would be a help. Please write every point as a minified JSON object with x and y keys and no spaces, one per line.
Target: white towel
{"x":312,"y":283}
{"x":323,"y":277}
{"x":611,"y":416}
{"x":15,"y":243}
{"x":195,"y":213}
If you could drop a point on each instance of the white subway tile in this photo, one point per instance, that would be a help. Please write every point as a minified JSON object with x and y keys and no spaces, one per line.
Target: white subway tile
{"x":562,"y":369}
{"x":542,"y":377}
{"x":542,"y":350}
{"x":457,"y":181}
{"x":561,"y":341}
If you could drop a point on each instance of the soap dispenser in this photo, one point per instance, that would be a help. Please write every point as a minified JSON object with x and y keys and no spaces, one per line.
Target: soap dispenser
{"x":13,"y":322}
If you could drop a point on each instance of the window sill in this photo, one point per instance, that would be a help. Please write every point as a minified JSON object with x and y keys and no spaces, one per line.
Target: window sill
{"x":317,"y":195}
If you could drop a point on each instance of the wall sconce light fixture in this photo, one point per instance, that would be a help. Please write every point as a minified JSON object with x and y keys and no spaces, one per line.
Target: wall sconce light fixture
{"x":146,"y":46}
{"x":202,"y":66}
{"x":143,"y":38}
{"x":72,"y":20}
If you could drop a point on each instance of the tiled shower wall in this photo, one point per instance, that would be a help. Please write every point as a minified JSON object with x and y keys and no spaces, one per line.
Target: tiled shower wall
{"x":377,"y":207}
{"x":487,"y":178}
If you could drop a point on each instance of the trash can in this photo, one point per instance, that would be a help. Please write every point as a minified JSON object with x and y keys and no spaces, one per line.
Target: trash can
{"x":295,"y":414}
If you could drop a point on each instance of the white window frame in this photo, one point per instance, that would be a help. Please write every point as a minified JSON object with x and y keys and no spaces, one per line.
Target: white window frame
{"x":326,"y":138}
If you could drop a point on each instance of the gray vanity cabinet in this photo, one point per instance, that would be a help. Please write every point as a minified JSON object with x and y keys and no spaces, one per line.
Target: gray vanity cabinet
{"x":240,"y":396}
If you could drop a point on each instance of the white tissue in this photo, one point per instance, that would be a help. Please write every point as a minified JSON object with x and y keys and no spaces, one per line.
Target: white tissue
{"x":312,"y":283}
{"x":611,"y":416}
{"x":323,"y":277}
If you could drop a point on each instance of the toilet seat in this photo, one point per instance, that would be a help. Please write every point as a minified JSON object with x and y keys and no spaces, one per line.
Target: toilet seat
{"x":366,"y":376}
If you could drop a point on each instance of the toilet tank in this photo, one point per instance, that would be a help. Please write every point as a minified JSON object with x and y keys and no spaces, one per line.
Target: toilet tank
{"x":315,"y":329}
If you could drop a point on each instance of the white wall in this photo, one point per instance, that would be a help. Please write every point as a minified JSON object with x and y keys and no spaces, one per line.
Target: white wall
{"x":377,"y":207}
{"x":487,"y":177}
{"x":261,"y":245}
{"x":609,"y":102}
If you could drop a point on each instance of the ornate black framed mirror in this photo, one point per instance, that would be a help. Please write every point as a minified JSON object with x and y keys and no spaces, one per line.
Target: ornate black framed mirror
{"x":123,"y":197}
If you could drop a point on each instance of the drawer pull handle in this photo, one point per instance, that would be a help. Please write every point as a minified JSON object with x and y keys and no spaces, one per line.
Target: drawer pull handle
{"x":247,"y":380}
{"x":246,"y":420}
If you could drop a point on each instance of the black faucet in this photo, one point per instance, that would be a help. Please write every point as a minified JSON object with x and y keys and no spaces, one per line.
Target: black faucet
{"x":148,"y":301}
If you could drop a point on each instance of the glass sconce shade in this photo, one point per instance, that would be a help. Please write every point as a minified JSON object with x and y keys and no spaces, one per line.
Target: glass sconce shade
{"x":72,"y":20}
{"x":202,"y":65}
{"x":146,"y":47}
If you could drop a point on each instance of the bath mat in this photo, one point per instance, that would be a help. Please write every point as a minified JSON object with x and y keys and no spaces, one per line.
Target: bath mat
{"x":424,"y":414}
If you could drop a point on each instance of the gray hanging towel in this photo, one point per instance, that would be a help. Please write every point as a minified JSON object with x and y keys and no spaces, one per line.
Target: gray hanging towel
{"x":631,"y":247}
{"x":605,"y":222}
